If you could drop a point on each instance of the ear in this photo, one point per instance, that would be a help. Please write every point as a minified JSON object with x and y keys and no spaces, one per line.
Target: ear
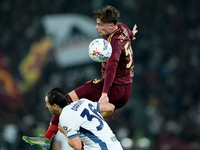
{"x":55,"y":105}
{"x":111,"y":26}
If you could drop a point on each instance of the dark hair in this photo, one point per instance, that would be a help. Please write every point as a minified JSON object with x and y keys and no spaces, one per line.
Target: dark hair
{"x":107,"y":14}
{"x":59,"y":96}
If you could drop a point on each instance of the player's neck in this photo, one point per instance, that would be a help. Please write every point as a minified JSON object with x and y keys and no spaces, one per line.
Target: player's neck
{"x":59,"y":111}
{"x":114,"y":29}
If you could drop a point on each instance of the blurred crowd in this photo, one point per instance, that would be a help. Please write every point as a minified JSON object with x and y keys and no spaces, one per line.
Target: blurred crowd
{"x":163,"y":112}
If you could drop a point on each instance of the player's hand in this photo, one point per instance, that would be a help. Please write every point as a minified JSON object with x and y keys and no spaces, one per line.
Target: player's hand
{"x":134,"y":31}
{"x":104,"y":98}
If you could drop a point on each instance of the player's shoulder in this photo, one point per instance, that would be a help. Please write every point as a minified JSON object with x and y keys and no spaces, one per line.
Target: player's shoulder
{"x":122,"y":26}
{"x":82,"y":100}
{"x":122,"y":33}
{"x":70,"y":111}
{"x":79,"y":104}
{"x":122,"y":29}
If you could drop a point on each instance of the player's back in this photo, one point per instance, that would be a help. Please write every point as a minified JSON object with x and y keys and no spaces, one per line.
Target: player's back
{"x":93,"y":130}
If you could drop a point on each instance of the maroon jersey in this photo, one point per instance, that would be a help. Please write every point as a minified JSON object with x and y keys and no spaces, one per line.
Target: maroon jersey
{"x":118,"y":69}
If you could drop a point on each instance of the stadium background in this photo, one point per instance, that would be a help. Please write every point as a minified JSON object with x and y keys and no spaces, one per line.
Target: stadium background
{"x":43,"y":43}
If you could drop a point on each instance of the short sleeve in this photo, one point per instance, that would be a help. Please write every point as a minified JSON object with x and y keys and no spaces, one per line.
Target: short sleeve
{"x":70,"y":124}
{"x":98,"y":106}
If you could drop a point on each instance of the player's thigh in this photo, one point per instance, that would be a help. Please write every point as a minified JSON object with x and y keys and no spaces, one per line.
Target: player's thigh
{"x":91,"y":90}
{"x":120,"y":94}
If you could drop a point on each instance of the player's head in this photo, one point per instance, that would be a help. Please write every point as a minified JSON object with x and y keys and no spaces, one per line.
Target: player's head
{"x":107,"y":19}
{"x":56,"y":99}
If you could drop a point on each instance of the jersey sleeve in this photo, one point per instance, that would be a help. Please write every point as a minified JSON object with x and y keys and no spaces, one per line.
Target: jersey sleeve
{"x":70,"y":124}
{"x":111,"y":66}
{"x":95,"y":104}
{"x":98,"y":106}
{"x":131,"y":35}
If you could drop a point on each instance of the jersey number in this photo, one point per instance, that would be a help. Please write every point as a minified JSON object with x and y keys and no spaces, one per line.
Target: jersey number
{"x":91,"y":116}
{"x":129,"y":52}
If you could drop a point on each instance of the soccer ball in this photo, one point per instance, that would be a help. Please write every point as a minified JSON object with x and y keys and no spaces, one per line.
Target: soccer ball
{"x":100,"y":50}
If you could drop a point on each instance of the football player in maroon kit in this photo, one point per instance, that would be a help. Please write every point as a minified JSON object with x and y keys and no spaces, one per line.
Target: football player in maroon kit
{"x":117,"y":72}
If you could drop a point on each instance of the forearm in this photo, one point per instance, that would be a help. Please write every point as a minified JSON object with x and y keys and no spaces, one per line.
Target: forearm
{"x":74,"y":146}
{"x":108,"y":80}
{"x":75,"y":143}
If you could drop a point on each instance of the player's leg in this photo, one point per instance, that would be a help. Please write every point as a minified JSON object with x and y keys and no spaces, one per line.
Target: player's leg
{"x":119,"y":96}
{"x":44,"y":141}
{"x":91,"y":90}
{"x":73,"y":96}
{"x":53,"y":127}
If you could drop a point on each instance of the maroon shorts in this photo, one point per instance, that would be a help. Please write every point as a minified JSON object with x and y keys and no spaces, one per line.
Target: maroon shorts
{"x":118,"y":95}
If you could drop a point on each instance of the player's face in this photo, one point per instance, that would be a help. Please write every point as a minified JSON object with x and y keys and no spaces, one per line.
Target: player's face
{"x":103,"y":28}
{"x":52,"y":108}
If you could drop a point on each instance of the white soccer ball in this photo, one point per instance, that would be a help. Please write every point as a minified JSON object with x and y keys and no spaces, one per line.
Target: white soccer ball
{"x":100,"y":50}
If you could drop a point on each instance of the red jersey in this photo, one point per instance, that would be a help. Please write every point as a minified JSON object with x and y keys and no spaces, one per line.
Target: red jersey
{"x":118,"y":69}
